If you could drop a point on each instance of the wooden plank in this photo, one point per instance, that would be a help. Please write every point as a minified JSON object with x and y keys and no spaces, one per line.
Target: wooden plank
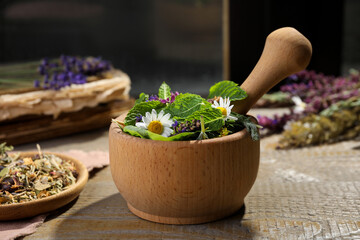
{"x":34,"y":128}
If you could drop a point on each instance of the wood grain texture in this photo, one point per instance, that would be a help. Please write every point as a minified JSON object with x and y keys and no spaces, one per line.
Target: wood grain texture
{"x":286,"y":52}
{"x":183,"y":182}
{"x":34,"y":128}
{"x":44,"y":205}
{"x":310,"y":193}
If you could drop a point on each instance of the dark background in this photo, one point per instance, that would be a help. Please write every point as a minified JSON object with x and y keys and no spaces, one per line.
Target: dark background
{"x":176,"y":41}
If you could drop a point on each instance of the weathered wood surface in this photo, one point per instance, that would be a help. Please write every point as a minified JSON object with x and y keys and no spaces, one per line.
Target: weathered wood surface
{"x":34,"y":127}
{"x":311,"y":193}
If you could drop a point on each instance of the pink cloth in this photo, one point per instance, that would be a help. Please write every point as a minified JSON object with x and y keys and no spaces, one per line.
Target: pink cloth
{"x":14,"y":229}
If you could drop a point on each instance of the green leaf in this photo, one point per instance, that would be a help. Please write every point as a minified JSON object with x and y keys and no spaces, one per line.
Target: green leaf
{"x":164,"y":91}
{"x":141,"y":109}
{"x":241,"y":123}
{"x":136,"y":131}
{"x":142,"y":98}
{"x":227,"y":89}
{"x":185,"y":105}
{"x":4,"y":172}
{"x":183,"y":136}
{"x":4,"y":148}
{"x":213,"y":118}
{"x":143,"y":133}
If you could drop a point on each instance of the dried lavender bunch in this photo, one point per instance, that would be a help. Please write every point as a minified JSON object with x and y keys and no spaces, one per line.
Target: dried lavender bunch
{"x":69,"y":70}
{"x":317,"y":91}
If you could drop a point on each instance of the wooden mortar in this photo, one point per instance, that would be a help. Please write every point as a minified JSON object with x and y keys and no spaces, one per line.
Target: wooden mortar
{"x":190,"y":182}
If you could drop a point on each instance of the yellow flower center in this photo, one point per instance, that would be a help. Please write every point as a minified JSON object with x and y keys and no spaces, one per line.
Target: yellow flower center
{"x":223,"y":111}
{"x":156,"y":127}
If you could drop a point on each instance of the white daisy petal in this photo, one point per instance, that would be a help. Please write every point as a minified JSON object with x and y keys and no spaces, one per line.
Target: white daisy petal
{"x":167,"y":132}
{"x":228,"y":101}
{"x":166,"y":117}
{"x":148,"y":115}
{"x":232,"y":118}
{"x":161,"y":114}
{"x":141,"y":124}
{"x":296,"y":100}
{"x":153,"y":115}
{"x":221,"y":102}
{"x":167,"y":123}
{"x":146,"y":120}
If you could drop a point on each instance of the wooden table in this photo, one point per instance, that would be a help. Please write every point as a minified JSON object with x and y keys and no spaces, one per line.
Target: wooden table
{"x":311,"y":193}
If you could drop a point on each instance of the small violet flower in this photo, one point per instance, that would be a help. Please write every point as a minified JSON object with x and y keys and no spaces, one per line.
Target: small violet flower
{"x":36,"y":83}
{"x":138,"y":118}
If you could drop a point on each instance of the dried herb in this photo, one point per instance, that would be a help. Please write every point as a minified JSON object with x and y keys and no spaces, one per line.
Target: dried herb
{"x":69,"y":70}
{"x":339,"y":122}
{"x":317,"y":91}
{"x":23,"y":179}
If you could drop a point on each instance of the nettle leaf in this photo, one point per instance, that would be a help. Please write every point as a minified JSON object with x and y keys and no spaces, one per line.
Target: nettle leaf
{"x":164,"y":91}
{"x":227,"y":89}
{"x":142,"y":98}
{"x":213,"y":118}
{"x":143,"y":133}
{"x":142,"y":108}
{"x":185,"y":105}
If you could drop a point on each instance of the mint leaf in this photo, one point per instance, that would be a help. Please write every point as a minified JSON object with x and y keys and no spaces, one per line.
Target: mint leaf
{"x":243,"y":122}
{"x":136,"y":131}
{"x":213,"y":118}
{"x":142,"y":98}
{"x":140,"y":109}
{"x":164,"y":91}
{"x":185,"y":105}
{"x":143,"y":133}
{"x":227,"y":89}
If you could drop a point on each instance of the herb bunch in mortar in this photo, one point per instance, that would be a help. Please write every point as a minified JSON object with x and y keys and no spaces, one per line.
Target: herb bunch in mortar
{"x":173,"y":116}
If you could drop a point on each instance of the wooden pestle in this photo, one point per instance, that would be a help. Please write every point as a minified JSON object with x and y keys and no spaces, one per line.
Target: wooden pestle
{"x":286,"y":52}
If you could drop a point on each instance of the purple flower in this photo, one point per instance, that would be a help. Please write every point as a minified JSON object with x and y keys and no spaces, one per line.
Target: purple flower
{"x":54,"y":77}
{"x":138,"y":118}
{"x":70,"y":70}
{"x":153,"y":98}
{"x":46,"y":79}
{"x":45,"y":61}
{"x":42,"y":70}
{"x":62,"y":77}
{"x":36,"y":83}
{"x":62,"y":59}
{"x":53,"y":65}
{"x":175,"y":124}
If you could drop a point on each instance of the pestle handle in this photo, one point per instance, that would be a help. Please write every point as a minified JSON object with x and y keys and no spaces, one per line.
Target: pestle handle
{"x":286,"y":52}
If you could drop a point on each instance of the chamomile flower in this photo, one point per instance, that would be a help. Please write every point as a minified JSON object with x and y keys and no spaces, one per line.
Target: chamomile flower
{"x":300,"y":105}
{"x":224,"y":106}
{"x":157,"y":123}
